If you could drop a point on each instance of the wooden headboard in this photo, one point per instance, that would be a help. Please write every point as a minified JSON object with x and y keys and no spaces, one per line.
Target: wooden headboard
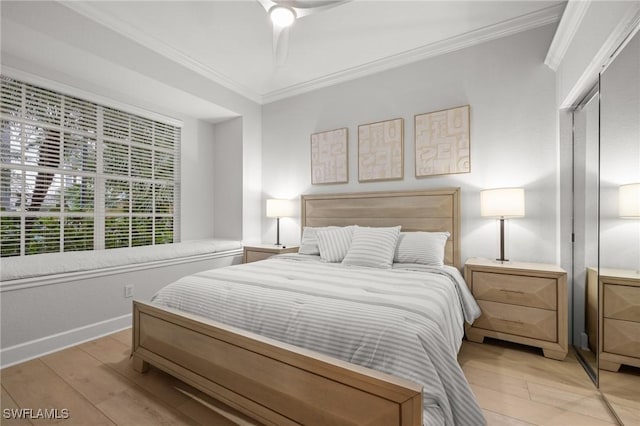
{"x":424,"y":210}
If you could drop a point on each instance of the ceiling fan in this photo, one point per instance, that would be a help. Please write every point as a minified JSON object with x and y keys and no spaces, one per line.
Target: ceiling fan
{"x":284,"y":13}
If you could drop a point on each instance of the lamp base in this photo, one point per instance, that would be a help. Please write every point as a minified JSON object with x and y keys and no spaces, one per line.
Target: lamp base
{"x":277,"y":244}
{"x":502,"y":259}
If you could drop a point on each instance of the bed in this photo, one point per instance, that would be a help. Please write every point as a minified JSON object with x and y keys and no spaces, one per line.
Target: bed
{"x":232,"y":350}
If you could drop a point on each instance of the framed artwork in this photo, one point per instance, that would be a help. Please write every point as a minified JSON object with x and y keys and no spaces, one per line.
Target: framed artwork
{"x":442,"y":142}
{"x":329,"y":157}
{"x":380,"y":150}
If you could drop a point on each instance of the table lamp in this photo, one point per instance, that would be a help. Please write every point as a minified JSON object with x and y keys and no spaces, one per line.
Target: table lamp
{"x":629,"y":201}
{"x":279,"y":208}
{"x":502,"y":203}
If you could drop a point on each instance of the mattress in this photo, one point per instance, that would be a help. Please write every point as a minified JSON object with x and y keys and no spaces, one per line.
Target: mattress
{"x":406,"y":321}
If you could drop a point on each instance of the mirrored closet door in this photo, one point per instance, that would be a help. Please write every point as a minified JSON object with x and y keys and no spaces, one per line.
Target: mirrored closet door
{"x":586,"y":154}
{"x":618,"y":280}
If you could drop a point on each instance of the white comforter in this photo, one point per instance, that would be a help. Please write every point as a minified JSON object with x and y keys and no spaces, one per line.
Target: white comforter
{"x":407,"y":322}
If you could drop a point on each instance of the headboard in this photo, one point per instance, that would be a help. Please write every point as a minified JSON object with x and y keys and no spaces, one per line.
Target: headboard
{"x":423,"y":210}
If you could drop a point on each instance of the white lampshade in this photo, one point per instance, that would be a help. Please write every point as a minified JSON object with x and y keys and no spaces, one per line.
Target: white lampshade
{"x":279,"y":208}
{"x":629,"y":200}
{"x":282,"y":16}
{"x":502,"y":202}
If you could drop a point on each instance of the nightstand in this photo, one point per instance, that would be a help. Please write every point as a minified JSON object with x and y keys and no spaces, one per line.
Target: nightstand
{"x":261,"y":252}
{"x":619,"y":316}
{"x":520,"y":302}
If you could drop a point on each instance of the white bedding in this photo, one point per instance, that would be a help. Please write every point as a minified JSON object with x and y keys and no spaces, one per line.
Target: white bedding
{"x":406,"y":321}
{"x":35,"y":265}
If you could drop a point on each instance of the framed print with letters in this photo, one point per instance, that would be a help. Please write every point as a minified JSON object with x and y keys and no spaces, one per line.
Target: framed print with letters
{"x":380,"y":150}
{"x":442,"y":142}
{"x":329,"y":157}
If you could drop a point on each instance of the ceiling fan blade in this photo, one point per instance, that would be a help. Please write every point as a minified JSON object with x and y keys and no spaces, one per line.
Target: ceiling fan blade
{"x":267,"y":4}
{"x":301,"y":10}
{"x":280,"y":44}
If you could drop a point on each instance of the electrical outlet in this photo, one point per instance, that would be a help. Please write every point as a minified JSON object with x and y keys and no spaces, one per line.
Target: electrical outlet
{"x":128,"y":290}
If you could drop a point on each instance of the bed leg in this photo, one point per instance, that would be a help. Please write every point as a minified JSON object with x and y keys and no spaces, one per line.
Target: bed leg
{"x":140,"y":365}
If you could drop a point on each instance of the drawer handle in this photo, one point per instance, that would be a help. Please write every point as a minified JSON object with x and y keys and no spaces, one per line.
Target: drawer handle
{"x":513,"y":321}
{"x":512,"y":291}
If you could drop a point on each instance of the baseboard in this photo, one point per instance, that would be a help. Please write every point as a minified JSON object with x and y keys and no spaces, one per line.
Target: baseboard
{"x":46,"y":345}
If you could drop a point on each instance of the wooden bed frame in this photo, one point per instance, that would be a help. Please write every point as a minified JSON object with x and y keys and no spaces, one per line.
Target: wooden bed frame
{"x":280,"y":384}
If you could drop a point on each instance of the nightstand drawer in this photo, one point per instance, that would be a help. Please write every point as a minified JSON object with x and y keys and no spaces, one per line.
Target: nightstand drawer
{"x":254,"y":256}
{"x":622,"y":302}
{"x":621,"y":337}
{"x":522,"y":321}
{"x":535,"y":292}
{"x":262,"y":252}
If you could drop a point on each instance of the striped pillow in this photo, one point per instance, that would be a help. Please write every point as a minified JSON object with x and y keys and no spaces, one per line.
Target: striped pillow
{"x":334,"y":243}
{"x":426,"y":248}
{"x":373,"y":247}
{"x":309,"y":241}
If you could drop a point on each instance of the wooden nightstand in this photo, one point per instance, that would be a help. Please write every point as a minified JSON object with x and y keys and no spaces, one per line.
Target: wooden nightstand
{"x":619,"y":316}
{"x":261,"y":252}
{"x":520,"y":302}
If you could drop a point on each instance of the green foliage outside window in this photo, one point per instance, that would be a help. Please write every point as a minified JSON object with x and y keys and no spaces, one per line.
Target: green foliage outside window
{"x":72,"y":169}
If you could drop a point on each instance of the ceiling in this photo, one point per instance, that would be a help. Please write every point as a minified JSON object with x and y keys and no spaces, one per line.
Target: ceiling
{"x":231,"y":41}
{"x":146,"y":52}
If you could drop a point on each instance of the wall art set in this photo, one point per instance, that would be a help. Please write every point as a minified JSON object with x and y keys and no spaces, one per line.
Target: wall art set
{"x":442,"y":146}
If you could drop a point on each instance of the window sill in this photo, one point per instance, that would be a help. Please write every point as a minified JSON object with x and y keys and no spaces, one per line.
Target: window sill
{"x":53,"y":268}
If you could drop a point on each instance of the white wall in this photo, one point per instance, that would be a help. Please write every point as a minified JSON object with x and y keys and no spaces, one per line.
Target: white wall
{"x":63,"y":312}
{"x":513,"y":137}
{"x":227,"y":179}
{"x":197,"y":210}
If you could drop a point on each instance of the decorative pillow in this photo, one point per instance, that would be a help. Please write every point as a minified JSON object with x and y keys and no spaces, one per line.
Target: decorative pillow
{"x":426,"y":248}
{"x":309,"y":241}
{"x":373,"y":247}
{"x":334,"y":243}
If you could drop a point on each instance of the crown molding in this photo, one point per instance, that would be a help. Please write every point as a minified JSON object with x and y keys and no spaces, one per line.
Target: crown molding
{"x":571,"y":19}
{"x":87,"y":10}
{"x":502,"y":29}
{"x":491,"y":32}
{"x":621,"y":34}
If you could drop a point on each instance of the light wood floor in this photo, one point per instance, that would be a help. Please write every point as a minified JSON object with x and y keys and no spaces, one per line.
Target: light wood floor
{"x":514,"y":385}
{"x":623,"y":392}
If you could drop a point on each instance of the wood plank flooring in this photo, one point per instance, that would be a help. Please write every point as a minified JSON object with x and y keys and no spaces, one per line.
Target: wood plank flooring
{"x":623,"y":393}
{"x":515,"y":385}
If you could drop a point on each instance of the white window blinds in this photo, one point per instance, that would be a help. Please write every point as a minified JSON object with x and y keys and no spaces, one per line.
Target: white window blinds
{"x":76,"y":175}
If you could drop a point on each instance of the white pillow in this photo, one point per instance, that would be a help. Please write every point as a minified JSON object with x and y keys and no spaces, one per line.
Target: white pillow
{"x":373,"y":247}
{"x":334,"y":243}
{"x":426,"y":248}
{"x":309,"y":241}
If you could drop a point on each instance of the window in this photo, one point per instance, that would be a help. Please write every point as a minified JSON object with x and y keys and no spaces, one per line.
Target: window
{"x":80,"y":176}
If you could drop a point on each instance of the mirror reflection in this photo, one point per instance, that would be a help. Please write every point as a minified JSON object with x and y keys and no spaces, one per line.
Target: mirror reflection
{"x":618,"y":281}
{"x":585,"y":229}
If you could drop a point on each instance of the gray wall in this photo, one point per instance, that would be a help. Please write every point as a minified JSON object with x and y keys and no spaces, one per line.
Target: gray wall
{"x":197,"y":210}
{"x":227,"y":180}
{"x":513,"y":137}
